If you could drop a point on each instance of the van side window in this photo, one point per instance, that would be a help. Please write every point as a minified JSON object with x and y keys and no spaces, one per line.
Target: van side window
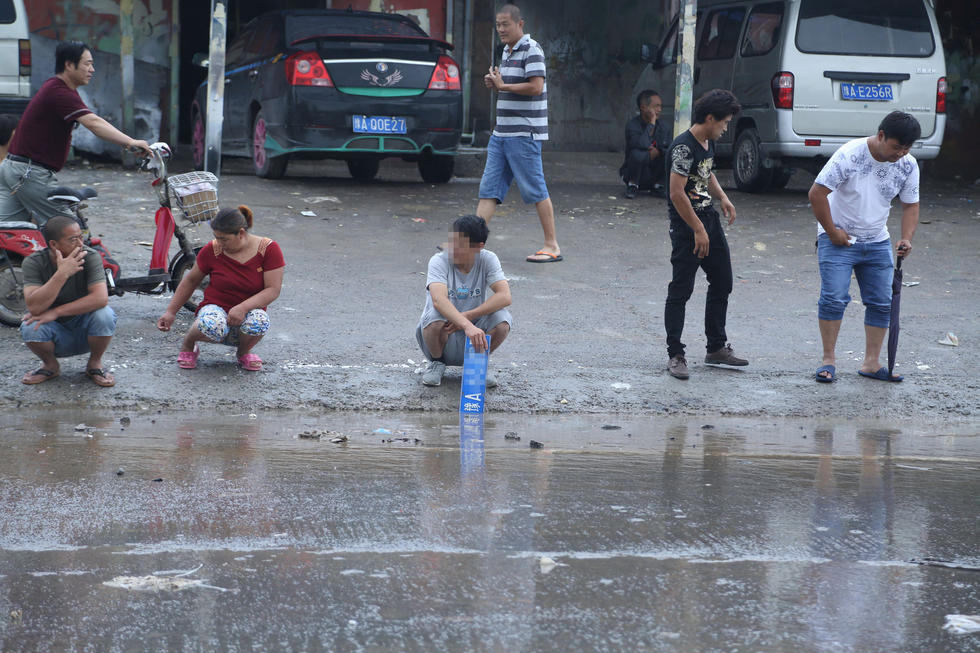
{"x":762,"y":30}
{"x":720,"y":38}
{"x":7,"y":12}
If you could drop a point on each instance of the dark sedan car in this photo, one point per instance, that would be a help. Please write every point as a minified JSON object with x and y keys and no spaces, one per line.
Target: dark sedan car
{"x":340,"y":84}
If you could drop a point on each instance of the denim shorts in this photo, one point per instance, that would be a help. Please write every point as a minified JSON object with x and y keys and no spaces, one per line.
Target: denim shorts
{"x":212,"y":321}
{"x":71,"y":337}
{"x":871,"y":264}
{"x":452,"y":353}
{"x":510,"y":158}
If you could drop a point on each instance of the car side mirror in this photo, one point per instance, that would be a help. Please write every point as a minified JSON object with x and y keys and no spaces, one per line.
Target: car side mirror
{"x":648,"y":53}
{"x":200,"y":59}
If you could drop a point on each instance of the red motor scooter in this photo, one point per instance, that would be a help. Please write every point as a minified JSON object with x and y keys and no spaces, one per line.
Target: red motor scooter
{"x":194,"y":193}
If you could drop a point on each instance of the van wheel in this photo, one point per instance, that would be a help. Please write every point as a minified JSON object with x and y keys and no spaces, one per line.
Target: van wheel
{"x":750,"y":176}
{"x":12,"y":302}
{"x":780,"y":177}
{"x":436,"y":168}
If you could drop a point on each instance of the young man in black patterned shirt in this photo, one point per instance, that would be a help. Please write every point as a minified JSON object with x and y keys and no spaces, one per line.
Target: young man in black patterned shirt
{"x":696,"y":235}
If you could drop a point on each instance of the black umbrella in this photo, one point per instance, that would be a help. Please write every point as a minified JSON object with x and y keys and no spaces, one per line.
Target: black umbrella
{"x":896,"y":305}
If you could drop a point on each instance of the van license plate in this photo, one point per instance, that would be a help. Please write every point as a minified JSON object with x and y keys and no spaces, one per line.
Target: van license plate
{"x":866,"y":92}
{"x":379,"y":125}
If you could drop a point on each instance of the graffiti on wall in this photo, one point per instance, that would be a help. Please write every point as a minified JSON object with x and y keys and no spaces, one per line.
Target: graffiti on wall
{"x":96,"y":22}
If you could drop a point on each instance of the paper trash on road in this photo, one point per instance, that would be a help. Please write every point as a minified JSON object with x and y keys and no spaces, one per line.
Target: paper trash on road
{"x":950,"y":339}
{"x":962,"y":624}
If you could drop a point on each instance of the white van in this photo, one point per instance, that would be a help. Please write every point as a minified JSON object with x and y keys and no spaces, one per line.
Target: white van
{"x":15,"y":57}
{"x":810,"y":76}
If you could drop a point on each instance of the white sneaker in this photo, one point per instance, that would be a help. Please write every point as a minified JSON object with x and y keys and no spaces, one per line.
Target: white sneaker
{"x":433,"y":373}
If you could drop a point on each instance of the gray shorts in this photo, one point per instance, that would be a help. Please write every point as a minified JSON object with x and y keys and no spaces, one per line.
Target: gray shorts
{"x":452,"y":354}
{"x":24,"y":191}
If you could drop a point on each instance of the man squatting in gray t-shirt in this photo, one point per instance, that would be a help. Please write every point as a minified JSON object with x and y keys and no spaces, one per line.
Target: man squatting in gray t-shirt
{"x":457,"y":307}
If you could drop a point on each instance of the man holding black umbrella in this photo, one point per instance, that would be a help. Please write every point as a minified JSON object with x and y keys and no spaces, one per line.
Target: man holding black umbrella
{"x":851,"y":198}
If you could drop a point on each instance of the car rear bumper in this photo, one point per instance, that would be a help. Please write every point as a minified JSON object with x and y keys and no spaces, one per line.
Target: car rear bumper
{"x":796,"y":147}
{"x":13,"y":105}
{"x":321,"y":124}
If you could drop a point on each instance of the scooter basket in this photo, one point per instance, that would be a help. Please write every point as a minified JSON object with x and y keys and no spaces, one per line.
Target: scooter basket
{"x":195,"y":194}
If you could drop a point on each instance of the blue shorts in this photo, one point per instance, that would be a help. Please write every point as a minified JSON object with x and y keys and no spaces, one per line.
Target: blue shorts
{"x":510,"y":158}
{"x":70,"y":338}
{"x":452,"y":353}
{"x":871,"y":264}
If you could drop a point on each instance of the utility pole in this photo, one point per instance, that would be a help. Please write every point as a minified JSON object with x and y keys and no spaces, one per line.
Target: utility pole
{"x":126,"y":47}
{"x":686,"y":29}
{"x":216,"y":87}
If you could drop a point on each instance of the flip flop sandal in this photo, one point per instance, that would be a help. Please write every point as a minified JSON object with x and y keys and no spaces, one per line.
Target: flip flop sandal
{"x":881,"y":375}
{"x":250,"y":362}
{"x":45,"y":375}
{"x":187,"y":360}
{"x":830,"y":369}
{"x":100,"y":378}
{"x":552,"y":258}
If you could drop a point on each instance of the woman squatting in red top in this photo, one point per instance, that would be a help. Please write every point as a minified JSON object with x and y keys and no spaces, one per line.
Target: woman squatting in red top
{"x":245,"y":276}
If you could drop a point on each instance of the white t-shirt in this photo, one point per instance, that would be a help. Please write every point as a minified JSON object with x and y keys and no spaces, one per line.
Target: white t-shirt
{"x":863,"y":189}
{"x":466,"y":291}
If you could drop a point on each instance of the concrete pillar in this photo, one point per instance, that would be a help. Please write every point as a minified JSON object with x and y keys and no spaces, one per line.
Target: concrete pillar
{"x":216,"y":87}
{"x":684,"y":90}
{"x":174,"y":72}
{"x":127,"y":66}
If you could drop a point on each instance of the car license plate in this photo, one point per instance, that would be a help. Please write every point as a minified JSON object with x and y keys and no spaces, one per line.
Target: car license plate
{"x":379,"y":125}
{"x":866,"y":92}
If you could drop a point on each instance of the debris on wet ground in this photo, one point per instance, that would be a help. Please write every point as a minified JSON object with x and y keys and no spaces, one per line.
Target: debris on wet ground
{"x":16,"y":616}
{"x":120,"y":471}
{"x":909,"y":284}
{"x":512,"y":435}
{"x":401,"y":439}
{"x":962,"y":624}
{"x":157,"y":583}
{"x":308,"y":214}
{"x":321,"y":198}
{"x":82,"y":427}
{"x":124,"y":421}
{"x":382,"y":431}
{"x":547,"y":564}
{"x":158,"y":480}
{"x":611,"y":427}
{"x":950,"y":339}
{"x":620,"y":386}
{"x":333,"y":436}
{"x":536,"y":445}
{"x":949,"y":564}
{"x":707,"y":427}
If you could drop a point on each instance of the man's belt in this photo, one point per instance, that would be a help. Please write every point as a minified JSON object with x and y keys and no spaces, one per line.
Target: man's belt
{"x":24,"y":159}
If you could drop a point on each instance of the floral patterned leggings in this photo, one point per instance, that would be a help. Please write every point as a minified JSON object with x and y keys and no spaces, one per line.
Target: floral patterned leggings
{"x":212,"y":321}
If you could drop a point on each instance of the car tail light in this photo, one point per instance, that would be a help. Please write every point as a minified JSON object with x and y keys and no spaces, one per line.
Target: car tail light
{"x":445,"y":76}
{"x":782,"y":90}
{"x":812,"y":142}
{"x":941,"y":95}
{"x":307,"y":69}
{"x":24,"y":57}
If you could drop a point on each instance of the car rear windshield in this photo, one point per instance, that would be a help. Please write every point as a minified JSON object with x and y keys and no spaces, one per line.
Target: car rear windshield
{"x":305,"y":26}
{"x":878,"y":28}
{"x":7,"y":12}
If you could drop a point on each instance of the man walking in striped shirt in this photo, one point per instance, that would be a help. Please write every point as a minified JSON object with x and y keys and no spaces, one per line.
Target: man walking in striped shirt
{"x":514,"y":151}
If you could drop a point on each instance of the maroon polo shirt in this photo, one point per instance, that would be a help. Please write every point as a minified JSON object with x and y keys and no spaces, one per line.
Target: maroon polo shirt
{"x":44,"y":131}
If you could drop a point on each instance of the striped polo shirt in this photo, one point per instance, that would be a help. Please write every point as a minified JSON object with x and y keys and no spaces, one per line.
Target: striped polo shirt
{"x":522,"y":115}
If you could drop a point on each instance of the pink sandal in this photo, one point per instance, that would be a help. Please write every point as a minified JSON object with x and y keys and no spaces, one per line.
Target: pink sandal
{"x":250,"y":362}
{"x":187,"y":360}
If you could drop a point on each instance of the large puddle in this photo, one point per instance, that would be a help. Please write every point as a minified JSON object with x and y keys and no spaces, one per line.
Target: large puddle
{"x":378,"y":532}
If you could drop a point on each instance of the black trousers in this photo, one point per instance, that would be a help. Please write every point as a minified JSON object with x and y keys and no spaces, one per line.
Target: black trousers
{"x":717,"y":265}
{"x":639,"y":169}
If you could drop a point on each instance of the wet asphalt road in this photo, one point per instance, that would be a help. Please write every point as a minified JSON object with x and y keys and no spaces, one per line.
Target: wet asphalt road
{"x":788,"y":526}
{"x":666,"y":535}
{"x":584,"y":329}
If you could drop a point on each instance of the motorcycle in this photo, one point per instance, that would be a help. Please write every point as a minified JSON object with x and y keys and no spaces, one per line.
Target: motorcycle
{"x":194,"y":193}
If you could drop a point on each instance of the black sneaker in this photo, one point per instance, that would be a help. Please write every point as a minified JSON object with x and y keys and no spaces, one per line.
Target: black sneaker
{"x":658,"y":191}
{"x":725,"y":356}
{"x":631,"y":191}
{"x":677,"y":366}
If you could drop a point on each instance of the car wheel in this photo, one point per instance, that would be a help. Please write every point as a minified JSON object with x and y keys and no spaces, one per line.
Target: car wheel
{"x":750,"y":175}
{"x":198,"y":138}
{"x":180,"y":266}
{"x":363,"y":169}
{"x":12,"y":302}
{"x":267,"y":167}
{"x":436,"y":168}
{"x":780,"y":177}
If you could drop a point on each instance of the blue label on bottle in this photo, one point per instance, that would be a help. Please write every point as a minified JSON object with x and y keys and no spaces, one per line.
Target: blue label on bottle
{"x":474,"y":384}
